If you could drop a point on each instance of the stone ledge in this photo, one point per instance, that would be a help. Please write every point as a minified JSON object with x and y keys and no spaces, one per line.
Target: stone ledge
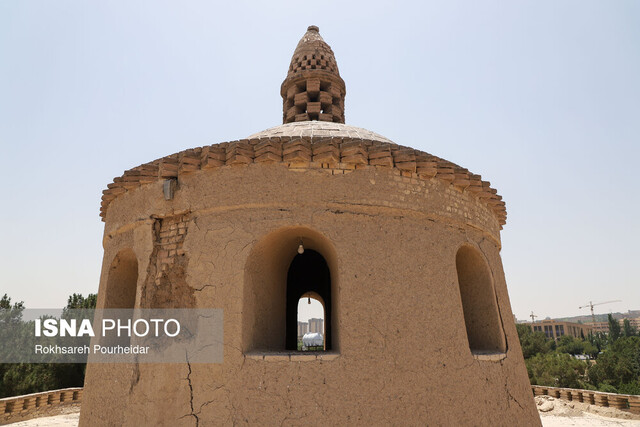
{"x":490,"y":357}
{"x":291,"y":356}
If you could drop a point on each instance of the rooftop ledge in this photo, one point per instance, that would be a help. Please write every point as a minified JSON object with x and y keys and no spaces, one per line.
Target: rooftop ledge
{"x":292,"y":356}
{"x":491,"y":357}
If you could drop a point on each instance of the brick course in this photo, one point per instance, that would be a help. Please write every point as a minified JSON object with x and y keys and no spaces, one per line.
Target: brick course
{"x":336,"y":155}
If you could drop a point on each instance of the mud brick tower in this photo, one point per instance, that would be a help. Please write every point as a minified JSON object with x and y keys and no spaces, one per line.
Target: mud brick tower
{"x":401,"y":247}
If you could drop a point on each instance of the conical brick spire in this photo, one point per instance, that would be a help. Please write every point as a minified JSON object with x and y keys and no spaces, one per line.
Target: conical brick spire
{"x":313,"y":89}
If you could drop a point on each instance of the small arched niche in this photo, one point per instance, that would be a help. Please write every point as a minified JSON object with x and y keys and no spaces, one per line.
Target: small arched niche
{"x":122,"y":281}
{"x":277,"y":275}
{"x":120,"y":295}
{"x":479,"y":304}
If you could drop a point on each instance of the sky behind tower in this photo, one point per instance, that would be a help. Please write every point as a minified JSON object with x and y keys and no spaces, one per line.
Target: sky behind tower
{"x":540,"y":98}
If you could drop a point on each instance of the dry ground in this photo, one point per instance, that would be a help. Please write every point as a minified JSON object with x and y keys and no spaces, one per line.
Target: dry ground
{"x":68,"y":418}
{"x":556,"y":413}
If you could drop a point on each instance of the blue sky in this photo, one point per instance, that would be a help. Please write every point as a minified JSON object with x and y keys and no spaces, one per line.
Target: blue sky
{"x":540,"y":98}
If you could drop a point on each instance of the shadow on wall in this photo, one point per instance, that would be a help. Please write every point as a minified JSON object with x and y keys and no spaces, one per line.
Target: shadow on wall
{"x":122,"y":284}
{"x":479,"y":304}
{"x":122,"y":281}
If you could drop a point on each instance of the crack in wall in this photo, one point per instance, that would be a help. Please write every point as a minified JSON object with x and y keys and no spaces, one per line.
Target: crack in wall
{"x":506,"y":387}
{"x":192,"y":413}
{"x":136,"y":377}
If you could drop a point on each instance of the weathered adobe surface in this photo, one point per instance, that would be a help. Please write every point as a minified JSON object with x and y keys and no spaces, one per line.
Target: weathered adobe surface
{"x":330,"y":154}
{"x":395,"y":241}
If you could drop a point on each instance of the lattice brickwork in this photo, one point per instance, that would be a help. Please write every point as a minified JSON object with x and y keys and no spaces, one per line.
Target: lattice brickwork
{"x":313,"y":89}
{"x":314,"y":99}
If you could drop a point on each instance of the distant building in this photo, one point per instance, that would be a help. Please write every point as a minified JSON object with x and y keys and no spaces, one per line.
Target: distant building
{"x":303,"y":328}
{"x":599,"y":327}
{"x":555,"y":329}
{"x":635,"y":323}
{"x":316,"y":325}
{"x":604,"y":326}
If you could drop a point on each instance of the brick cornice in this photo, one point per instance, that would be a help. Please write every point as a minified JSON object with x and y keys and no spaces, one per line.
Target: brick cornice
{"x":309,"y":152}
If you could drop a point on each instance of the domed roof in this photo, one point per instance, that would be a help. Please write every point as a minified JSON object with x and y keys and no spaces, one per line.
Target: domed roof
{"x":318,"y":129}
{"x":314,"y":136}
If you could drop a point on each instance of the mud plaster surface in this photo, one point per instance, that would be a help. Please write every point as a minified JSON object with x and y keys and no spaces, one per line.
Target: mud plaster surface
{"x":400,"y":339}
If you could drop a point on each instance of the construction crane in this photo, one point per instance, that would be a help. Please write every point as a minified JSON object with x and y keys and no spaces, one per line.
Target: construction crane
{"x":591,"y":305}
{"x":533,"y":317}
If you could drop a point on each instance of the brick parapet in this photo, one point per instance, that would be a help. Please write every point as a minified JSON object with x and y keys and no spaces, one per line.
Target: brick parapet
{"x":333,"y":155}
{"x":625,"y":402}
{"x":19,"y":408}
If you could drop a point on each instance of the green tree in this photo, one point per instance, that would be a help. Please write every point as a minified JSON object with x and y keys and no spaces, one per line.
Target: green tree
{"x":618,"y":366}
{"x":598,"y":340}
{"x":532,"y":343}
{"x":614,"y":328}
{"x":77,"y":301}
{"x":10,"y":316}
{"x":570,"y":345}
{"x":10,"y":313}
{"x":590,"y":350}
{"x":557,"y":370}
{"x":80,"y":307}
{"x":24,"y":378}
{"x":627,"y":329}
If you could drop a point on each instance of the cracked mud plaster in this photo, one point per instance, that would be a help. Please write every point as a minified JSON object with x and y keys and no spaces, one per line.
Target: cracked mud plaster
{"x":399,"y":328}
{"x":192,"y":413}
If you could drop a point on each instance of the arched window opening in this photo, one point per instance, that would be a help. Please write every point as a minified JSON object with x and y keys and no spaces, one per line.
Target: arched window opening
{"x":278,"y":272}
{"x":308,"y":275}
{"x":481,"y":315}
{"x":311,"y":329}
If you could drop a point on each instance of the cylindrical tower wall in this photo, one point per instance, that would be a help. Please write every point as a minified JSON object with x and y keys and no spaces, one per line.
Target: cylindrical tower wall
{"x":400,"y":345}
